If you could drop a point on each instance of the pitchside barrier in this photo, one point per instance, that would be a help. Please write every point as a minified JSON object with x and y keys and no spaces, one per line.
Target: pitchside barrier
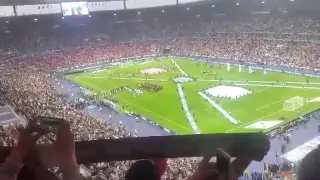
{"x":252,"y":145}
{"x":289,"y":124}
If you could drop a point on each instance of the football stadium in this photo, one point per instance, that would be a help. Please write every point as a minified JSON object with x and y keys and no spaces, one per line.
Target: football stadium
{"x":159,"y":89}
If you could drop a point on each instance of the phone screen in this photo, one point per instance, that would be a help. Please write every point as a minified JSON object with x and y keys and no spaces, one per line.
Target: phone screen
{"x":223,"y":163}
{"x":50,"y":124}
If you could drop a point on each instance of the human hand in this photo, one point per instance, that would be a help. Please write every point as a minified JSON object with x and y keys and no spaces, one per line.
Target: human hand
{"x":65,"y":145}
{"x":26,"y":142}
{"x":205,"y":170}
{"x":208,"y":170}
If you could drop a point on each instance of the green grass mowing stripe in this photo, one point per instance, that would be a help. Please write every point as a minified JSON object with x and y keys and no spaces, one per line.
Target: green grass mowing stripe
{"x":275,"y":112}
{"x":104,"y":85}
{"x":165,"y":103}
{"x":163,"y":118}
{"x":269,"y":114}
{"x":208,"y":118}
{"x":224,"y":101}
{"x":246,"y":124}
{"x":252,"y":102}
{"x":270,"y":104}
{"x":244,"y":108}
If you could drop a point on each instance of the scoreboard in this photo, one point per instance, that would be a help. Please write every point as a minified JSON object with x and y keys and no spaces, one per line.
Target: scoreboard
{"x":74,"y":8}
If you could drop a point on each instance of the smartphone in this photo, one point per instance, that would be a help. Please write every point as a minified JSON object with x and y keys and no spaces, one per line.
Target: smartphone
{"x":50,"y":124}
{"x":223,"y":163}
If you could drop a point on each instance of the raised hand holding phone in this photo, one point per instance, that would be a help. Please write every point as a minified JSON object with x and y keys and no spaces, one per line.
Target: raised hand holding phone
{"x":65,"y":145}
{"x":223,"y":164}
{"x":50,"y":124}
{"x":222,"y":169}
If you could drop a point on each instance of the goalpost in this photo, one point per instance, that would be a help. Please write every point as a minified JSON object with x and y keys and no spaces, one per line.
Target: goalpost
{"x":293,"y":103}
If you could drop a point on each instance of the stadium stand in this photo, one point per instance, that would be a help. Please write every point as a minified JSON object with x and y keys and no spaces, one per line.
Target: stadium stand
{"x":31,"y":50}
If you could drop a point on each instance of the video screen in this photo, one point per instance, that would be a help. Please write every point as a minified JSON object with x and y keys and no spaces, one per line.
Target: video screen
{"x":74,"y":8}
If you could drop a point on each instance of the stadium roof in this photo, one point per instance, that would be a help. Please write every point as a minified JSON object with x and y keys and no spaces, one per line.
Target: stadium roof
{"x":20,"y":2}
{"x":7,"y":115}
{"x":9,"y":8}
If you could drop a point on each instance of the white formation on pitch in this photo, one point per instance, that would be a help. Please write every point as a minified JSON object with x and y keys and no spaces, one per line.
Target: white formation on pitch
{"x":227,"y":92}
{"x":182,"y":80}
{"x":152,"y":71}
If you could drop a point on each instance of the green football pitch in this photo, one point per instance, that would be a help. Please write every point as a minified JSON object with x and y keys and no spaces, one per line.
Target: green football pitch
{"x":263,"y":105}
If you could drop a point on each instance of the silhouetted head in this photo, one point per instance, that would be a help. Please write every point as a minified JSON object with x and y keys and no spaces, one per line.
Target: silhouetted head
{"x":310,"y":166}
{"x":143,"y":170}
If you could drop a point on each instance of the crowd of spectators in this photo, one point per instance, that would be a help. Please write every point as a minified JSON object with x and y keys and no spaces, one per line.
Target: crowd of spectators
{"x":292,"y":54}
{"x":25,"y":86}
{"x":260,"y":51}
{"x":29,"y":92}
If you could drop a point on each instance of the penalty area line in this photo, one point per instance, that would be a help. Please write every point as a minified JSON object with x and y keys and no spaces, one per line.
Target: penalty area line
{"x":251,"y":122}
{"x":274,"y":102}
{"x":278,"y":86}
{"x":266,"y":82}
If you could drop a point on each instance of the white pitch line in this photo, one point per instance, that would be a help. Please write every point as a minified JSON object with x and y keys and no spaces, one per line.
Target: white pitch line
{"x":120,"y":78}
{"x":269,"y":115}
{"x":266,"y":82}
{"x":185,"y":107}
{"x":253,"y":121}
{"x":219,"y":108}
{"x":278,"y":86}
{"x":261,"y":90}
{"x":180,"y":69}
{"x":274,"y":102}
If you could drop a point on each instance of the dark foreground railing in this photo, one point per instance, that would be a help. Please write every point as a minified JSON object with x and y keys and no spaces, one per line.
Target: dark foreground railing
{"x":255,"y":145}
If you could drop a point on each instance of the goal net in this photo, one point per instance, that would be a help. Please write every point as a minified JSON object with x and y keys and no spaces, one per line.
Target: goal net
{"x":293,"y":103}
